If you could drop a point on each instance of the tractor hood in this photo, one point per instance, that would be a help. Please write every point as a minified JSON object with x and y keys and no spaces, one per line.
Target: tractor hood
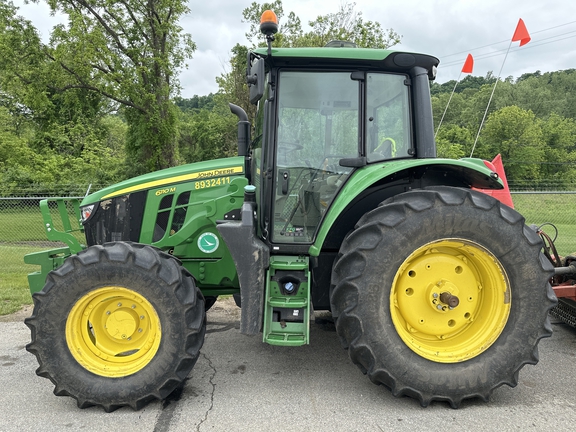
{"x":169,"y":177}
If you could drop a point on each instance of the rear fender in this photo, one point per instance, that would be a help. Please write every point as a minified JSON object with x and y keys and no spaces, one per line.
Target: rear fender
{"x":406,"y":174}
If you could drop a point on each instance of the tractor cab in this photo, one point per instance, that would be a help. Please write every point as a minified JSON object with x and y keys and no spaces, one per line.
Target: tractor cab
{"x":328,"y":122}
{"x":318,"y":121}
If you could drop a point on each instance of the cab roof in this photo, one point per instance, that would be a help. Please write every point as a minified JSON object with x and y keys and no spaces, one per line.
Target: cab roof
{"x":370,"y":58}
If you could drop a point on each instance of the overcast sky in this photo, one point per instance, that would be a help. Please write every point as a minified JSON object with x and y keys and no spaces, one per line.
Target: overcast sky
{"x":447,"y":29}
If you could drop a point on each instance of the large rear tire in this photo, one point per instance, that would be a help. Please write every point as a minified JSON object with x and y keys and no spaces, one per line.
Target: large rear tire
{"x":115,"y":325}
{"x":442,"y":294}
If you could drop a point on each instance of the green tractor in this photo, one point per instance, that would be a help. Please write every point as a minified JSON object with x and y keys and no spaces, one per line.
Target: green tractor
{"x":338,"y":203}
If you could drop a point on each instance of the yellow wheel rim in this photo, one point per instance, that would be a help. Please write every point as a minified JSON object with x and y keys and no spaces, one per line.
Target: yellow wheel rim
{"x":450,"y":300}
{"x":113,"y":331}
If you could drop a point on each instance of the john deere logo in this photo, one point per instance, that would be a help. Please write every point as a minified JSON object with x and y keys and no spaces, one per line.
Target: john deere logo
{"x":208,"y":242}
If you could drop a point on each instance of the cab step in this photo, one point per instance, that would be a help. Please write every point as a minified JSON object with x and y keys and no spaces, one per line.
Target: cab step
{"x":287,"y":303}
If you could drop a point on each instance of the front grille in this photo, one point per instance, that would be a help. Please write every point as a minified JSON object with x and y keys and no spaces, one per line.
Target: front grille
{"x":116,"y":219}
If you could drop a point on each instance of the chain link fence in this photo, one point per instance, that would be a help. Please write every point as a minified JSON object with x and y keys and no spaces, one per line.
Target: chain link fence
{"x":22,"y":227}
{"x":22,"y":232}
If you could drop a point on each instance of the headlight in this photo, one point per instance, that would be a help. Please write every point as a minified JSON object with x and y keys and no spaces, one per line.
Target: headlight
{"x":86,"y":212}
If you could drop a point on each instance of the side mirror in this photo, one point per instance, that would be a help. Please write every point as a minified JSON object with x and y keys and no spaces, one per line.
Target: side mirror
{"x":255,"y":79}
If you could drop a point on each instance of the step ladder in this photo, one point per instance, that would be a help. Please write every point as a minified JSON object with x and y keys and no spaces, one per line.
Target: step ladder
{"x":287,"y":303}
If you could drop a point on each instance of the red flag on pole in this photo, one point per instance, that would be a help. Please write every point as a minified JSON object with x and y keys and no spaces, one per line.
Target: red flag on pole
{"x":521,"y":33}
{"x":468,"y":64}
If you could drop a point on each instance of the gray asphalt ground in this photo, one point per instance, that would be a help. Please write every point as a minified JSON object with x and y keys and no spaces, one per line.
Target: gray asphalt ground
{"x":241,"y":384}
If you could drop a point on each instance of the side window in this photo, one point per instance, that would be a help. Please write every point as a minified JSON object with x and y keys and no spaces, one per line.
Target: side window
{"x":387,"y":117}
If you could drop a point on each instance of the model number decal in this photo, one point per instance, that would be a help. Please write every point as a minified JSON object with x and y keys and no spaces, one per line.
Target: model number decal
{"x":165,"y":191}
{"x":203,"y":184}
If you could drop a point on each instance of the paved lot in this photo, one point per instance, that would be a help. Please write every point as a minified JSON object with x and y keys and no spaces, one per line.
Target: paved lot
{"x":240,"y":384}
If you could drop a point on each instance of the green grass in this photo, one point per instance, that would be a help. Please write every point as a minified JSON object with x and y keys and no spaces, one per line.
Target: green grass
{"x":14,"y":291}
{"x":21,"y":225}
{"x":558,"y":209}
{"x":21,"y":232}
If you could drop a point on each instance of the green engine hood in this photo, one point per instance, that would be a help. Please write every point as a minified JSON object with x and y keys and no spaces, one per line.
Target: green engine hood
{"x":170,"y":176}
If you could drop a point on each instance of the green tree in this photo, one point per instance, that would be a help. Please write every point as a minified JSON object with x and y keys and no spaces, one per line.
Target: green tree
{"x":517,"y":135}
{"x":452,"y":140}
{"x":41,"y":124}
{"x":232,"y":85}
{"x":23,"y":65}
{"x":207,"y":135}
{"x":128,"y":52}
{"x":195,"y":102}
{"x":560,"y":151}
{"x":468,"y":82}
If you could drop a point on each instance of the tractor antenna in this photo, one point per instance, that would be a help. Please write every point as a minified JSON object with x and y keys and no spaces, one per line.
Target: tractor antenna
{"x":269,"y":27}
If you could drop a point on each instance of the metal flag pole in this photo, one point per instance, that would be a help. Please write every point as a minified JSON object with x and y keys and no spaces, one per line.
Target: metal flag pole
{"x":490,"y":100}
{"x":467,"y":68}
{"x":446,"y":109}
{"x":520,"y":34}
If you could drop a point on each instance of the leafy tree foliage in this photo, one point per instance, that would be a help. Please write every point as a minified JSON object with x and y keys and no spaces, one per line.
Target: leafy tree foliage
{"x":207,"y":135}
{"x":103,"y":90}
{"x":517,"y":136}
{"x":531,"y":123}
{"x":110,"y":55}
{"x":131,"y":49}
{"x":195,"y":103}
{"x":49,"y":134}
{"x":469,"y":82}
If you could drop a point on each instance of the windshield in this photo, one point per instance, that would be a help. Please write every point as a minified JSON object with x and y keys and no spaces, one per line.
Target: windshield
{"x":319,"y":123}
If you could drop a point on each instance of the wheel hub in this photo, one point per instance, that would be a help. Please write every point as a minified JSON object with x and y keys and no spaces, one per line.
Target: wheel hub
{"x":443,"y":296}
{"x":121,"y":325}
{"x":450,"y":300}
{"x":113,"y":331}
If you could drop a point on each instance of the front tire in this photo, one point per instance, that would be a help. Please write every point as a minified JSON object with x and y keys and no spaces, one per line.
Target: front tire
{"x":442,"y":294}
{"x":115,"y":325}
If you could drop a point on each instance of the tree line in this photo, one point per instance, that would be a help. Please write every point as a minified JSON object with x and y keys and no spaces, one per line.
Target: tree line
{"x":99,"y":102}
{"x":531,"y":122}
